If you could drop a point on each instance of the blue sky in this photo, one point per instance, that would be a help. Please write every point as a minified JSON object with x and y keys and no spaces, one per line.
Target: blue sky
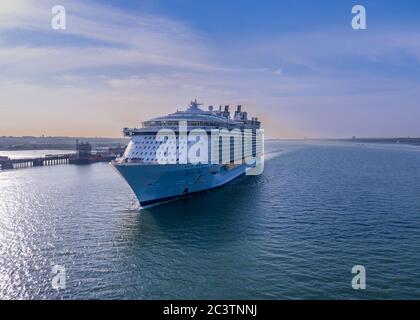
{"x":298,"y":65}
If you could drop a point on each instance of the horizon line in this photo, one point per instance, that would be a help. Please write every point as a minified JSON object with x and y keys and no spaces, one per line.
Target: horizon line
{"x":269,"y":138}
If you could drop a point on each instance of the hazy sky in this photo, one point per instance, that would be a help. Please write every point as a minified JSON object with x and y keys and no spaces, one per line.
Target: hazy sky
{"x":296,"y":64}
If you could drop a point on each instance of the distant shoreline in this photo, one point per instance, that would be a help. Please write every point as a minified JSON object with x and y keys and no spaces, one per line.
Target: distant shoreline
{"x":56,"y":143}
{"x":28,"y":143}
{"x":405,"y":141}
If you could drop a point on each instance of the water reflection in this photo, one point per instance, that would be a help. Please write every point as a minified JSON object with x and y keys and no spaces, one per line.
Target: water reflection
{"x":289,"y":233}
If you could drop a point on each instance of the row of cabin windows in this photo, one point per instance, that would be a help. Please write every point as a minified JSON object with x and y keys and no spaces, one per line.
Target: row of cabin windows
{"x":156,"y":142}
{"x":175,"y":123}
{"x":150,"y":153}
{"x":153,"y":146}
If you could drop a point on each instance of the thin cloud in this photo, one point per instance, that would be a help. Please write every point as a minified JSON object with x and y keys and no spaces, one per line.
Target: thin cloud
{"x":129,"y":66}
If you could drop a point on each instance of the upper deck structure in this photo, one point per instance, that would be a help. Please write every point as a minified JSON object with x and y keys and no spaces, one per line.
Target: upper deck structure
{"x":195,"y":117}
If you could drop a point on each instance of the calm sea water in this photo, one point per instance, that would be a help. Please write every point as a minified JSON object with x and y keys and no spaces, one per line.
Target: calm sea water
{"x":292,"y":233}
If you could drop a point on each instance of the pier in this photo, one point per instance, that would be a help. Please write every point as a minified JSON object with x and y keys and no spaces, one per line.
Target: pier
{"x":50,"y":160}
{"x":83,"y":156}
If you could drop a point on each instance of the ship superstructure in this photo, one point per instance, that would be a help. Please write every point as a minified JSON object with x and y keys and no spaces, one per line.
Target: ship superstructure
{"x":159,"y":168}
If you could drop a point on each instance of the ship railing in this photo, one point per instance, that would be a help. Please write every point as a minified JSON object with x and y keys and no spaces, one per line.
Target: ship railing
{"x":129,"y":132}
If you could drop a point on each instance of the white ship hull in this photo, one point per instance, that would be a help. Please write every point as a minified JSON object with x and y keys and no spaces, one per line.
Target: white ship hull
{"x":173,"y":156}
{"x":154,"y":183}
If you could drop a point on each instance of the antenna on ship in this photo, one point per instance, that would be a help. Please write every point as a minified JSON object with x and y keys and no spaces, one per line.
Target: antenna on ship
{"x":194,"y":104}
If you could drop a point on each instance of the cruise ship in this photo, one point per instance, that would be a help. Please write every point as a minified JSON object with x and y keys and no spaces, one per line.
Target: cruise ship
{"x":166,"y":157}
